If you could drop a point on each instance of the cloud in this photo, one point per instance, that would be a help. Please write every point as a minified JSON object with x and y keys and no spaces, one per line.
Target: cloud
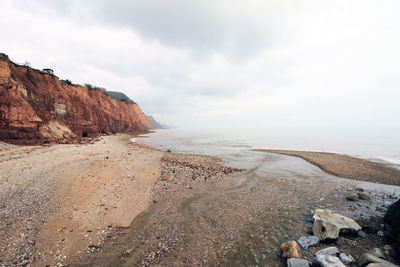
{"x":213,"y":63}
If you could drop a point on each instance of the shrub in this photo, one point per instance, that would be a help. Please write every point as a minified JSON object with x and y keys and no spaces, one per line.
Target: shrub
{"x":88,"y":86}
{"x":66,"y":82}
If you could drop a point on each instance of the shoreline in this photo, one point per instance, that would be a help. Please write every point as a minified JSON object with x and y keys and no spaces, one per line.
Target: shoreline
{"x":117,"y":201}
{"x":345,"y":166}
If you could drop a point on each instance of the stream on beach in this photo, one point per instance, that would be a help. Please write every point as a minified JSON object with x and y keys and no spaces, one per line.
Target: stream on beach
{"x":242,"y":219}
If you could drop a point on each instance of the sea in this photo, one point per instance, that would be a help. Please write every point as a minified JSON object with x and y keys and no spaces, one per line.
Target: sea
{"x":373,"y":146}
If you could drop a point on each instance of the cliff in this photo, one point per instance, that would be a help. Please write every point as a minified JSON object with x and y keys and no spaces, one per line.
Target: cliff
{"x":156,"y":124}
{"x":36,"y":107}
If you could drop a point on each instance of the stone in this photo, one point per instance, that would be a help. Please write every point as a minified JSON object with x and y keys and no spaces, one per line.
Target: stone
{"x":165,"y":178}
{"x":392,"y":227}
{"x":377,"y":252}
{"x":387,"y":250}
{"x":327,"y":261}
{"x":362,"y":195}
{"x":309,"y":218}
{"x":291,"y":249}
{"x":367,"y":258}
{"x":346,"y":259}
{"x":387,"y":204}
{"x":331,"y":251}
{"x":328,"y":225}
{"x":380,"y":265}
{"x":380,"y":233}
{"x":352,"y":197}
{"x":293,"y":262}
{"x":308,"y":241}
{"x":361,"y":234}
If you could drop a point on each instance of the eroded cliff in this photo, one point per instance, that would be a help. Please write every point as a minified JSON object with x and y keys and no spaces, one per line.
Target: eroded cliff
{"x":36,"y":107}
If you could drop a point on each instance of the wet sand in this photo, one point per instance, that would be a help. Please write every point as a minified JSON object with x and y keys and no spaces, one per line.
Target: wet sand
{"x":346,"y":166}
{"x":117,"y":203}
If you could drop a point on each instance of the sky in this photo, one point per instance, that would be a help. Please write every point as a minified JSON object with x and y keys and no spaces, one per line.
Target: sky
{"x":310,"y":64}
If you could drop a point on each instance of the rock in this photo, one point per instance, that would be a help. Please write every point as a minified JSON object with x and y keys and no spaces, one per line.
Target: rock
{"x":291,"y":249}
{"x":328,"y":225}
{"x":377,"y":252}
{"x":346,"y":259}
{"x":361,"y":234}
{"x":387,"y":250}
{"x":327,"y":261}
{"x":364,"y":196}
{"x":387,"y":204}
{"x":308,"y":241}
{"x":293,"y":262}
{"x":165,"y":178}
{"x":367,"y":258}
{"x":380,"y":265}
{"x":309,"y":218}
{"x":380,"y":233}
{"x":330,"y":251}
{"x":392,"y":226}
{"x":352,"y":197}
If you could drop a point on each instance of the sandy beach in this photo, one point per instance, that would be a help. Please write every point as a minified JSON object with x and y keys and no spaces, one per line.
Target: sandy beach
{"x":115,"y":202}
{"x":60,"y":201}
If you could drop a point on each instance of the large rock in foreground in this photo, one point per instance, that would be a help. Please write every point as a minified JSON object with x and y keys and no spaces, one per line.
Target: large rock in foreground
{"x":328,"y":225}
{"x":392,"y":226}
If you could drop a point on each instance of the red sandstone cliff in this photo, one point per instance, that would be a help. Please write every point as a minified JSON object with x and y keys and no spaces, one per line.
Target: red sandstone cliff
{"x":37,"y":107}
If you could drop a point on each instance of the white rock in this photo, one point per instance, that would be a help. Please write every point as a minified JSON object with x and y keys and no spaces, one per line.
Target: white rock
{"x":328,"y":261}
{"x":328,"y":225}
{"x":345,"y":259}
{"x":308,"y":241}
{"x":330,"y":251}
{"x":293,"y":262}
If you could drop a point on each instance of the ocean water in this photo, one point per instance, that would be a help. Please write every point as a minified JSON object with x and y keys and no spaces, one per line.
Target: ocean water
{"x":225,"y":143}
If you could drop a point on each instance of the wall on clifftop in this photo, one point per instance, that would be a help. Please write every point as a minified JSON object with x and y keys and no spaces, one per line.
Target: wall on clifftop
{"x":37,"y":107}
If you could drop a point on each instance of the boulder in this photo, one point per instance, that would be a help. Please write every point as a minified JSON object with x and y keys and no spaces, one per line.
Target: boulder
{"x":328,"y":225}
{"x":330,"y":251}
{"x":392,"y":226}
{"x":293,"y":262}
{"x":291,"y":249}
{"x":308,"y":241}
{"x":327,"y":261}
{"x":368,"y":258}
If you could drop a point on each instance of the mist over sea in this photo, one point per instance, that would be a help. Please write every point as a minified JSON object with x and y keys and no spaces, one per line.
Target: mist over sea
{"x":372,"y":146}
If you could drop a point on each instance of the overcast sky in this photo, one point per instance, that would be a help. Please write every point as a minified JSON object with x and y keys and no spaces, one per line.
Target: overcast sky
{"x":223,"y":63}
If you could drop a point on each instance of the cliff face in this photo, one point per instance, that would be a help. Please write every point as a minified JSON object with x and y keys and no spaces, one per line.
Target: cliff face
{"x":37,"y":107}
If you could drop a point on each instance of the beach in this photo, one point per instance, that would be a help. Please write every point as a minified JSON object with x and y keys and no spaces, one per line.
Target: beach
{"x":116,"y":202}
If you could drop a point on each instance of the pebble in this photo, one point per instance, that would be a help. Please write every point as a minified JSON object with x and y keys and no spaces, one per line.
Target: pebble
{"x":387,"y":204}
{"x":345,"y":259}
{"x":380,"y":233}
{"x":361,"y":234}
